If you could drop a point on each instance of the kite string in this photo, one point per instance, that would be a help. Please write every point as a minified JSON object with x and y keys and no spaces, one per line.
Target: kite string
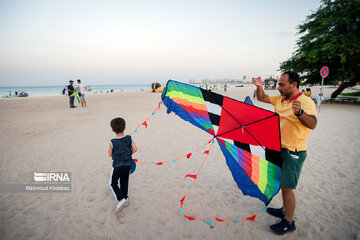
{"x":208,"y":221}
{"x":188,"y":155}
{"x":182,"y":209}
{"x":145,"y":122}
{"x":202,"y":164}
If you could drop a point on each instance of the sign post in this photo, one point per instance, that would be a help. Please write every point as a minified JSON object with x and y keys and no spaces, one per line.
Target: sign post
{"x":324,"y":72}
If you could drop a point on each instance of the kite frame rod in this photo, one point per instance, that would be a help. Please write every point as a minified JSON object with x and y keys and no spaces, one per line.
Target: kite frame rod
{"x":241,"y":126}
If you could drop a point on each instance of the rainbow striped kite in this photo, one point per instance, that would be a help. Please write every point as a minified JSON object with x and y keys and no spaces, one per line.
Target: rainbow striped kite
{"x":249,"y":137}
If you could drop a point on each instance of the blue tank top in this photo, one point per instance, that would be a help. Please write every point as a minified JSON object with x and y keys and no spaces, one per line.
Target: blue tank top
{"x":121,"y":151}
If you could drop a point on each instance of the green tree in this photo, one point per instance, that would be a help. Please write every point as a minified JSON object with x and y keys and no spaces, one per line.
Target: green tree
{"x":330,"y":36}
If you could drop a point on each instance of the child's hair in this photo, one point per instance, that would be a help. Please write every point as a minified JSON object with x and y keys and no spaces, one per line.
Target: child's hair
{"x":118,"y":125}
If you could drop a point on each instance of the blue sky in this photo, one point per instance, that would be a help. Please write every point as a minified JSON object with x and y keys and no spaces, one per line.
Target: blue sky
{"x":133,"y":42}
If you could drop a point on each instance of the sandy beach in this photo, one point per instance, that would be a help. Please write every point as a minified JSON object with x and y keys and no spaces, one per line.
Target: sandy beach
{"x":42,"y":134}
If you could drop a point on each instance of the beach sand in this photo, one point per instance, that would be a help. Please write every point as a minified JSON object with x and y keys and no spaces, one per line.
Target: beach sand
{"x":42,"y":134}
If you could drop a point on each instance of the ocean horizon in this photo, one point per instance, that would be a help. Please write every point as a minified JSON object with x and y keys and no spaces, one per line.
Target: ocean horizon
{"x":57,"y":90}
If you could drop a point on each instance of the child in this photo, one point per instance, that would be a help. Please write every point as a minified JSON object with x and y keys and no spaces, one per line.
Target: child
{"x":121,"y":148}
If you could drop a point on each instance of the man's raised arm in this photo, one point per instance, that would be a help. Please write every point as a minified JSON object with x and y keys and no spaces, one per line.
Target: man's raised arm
{"x":260,"y":95}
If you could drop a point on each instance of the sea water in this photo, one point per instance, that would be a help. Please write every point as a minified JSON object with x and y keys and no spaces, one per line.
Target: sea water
{"x":57,"y":90}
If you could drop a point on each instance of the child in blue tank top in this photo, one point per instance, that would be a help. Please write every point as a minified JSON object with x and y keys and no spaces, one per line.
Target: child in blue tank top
{"x":121,"y":149}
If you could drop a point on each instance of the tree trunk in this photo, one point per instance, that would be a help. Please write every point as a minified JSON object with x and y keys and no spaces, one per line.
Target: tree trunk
{"x":343,"y":86}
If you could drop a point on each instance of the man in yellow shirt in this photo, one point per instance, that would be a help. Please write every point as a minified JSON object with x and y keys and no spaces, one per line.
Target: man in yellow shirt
{"x":297,"y":117}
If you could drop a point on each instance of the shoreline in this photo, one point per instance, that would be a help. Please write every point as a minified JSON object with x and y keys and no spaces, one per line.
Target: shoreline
{"x":219,"y":89}
{"x":87,"y":94}
{"x":57,"y":90}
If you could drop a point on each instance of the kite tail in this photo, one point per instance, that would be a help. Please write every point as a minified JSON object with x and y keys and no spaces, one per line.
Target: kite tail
{"x":145,"y":122}
{"x":188,"y":155}
{"x":194,"y":176}
{"x":185,"y":156}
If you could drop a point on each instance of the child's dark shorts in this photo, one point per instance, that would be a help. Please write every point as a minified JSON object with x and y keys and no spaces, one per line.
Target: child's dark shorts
{"x":291,"y":168}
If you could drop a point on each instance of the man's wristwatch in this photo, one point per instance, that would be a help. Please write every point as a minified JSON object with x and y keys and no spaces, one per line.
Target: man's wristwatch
{"x":301,"y":112}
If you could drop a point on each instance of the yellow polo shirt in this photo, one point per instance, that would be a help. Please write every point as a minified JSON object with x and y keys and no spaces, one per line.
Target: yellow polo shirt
{"x":293,"y":133}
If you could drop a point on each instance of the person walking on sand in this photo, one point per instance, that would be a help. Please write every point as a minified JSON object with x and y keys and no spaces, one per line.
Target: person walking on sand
{"x":71,"y":91}
{"x":121,"y":149}
{"x":82,"y":89}
{"x":297,"y":117}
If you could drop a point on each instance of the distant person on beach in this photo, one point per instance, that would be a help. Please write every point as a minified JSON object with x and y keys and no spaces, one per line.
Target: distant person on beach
{"x":320,"y":99}
{"x":297,"y":118}
{"x":71,"y":90}
{"x":65,"y":91}
{"x":121,"y":149}
{"x":225,"y":86}
{"x":82,"y":90}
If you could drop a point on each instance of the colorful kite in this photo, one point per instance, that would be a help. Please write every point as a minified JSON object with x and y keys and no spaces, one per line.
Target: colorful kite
{"x":249,"y":137}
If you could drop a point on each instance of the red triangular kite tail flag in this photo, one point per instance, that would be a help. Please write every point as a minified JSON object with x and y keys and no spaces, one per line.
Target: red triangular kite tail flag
{"x":252,"y":218}
{"x":191,"y":176}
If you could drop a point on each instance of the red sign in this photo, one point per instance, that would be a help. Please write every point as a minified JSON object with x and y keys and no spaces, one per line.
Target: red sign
{"x":324,"y":72}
